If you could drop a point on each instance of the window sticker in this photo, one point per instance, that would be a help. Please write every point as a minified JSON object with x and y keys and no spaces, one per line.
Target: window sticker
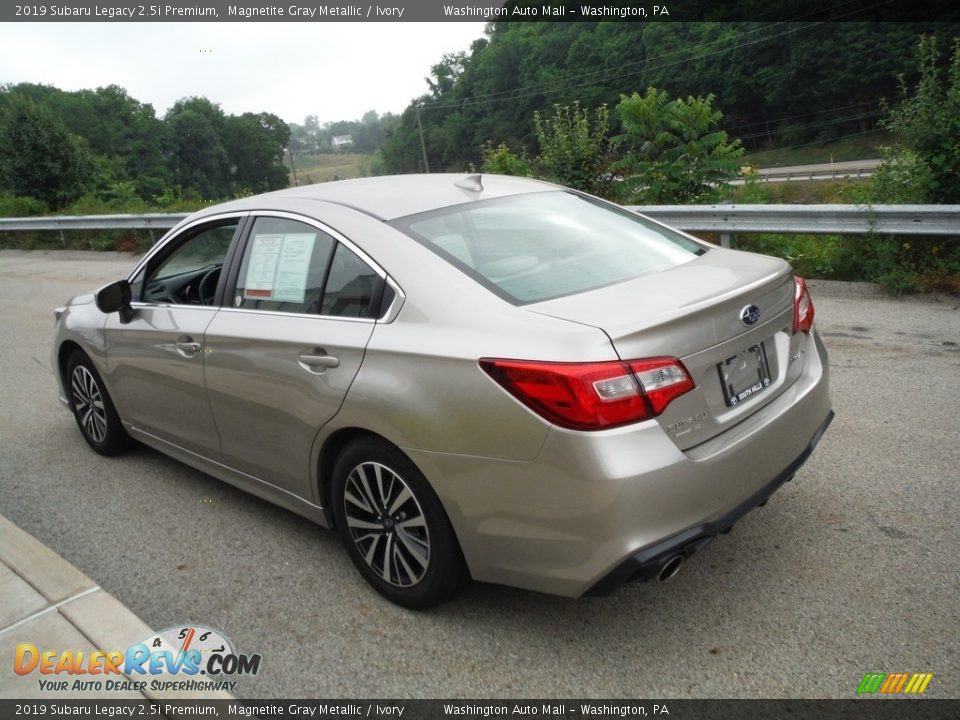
{"x":278,"y":266}
{"x":262,"y":267}
{"x":290,"y":284}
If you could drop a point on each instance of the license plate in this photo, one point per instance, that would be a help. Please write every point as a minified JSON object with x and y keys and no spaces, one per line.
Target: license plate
{"x":744,"y":375}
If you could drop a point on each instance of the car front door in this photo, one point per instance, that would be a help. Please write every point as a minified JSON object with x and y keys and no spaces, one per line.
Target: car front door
{"x":284,"y":349}
{"x":155,"y":360}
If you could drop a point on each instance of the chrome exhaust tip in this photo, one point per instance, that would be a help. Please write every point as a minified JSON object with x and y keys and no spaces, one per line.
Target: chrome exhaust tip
{"x":670,"y":568}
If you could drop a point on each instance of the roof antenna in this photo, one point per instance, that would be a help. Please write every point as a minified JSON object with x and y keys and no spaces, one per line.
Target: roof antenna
{"x":470,"y":182}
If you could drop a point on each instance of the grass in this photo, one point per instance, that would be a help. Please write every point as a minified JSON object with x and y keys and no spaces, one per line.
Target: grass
{"x":328,"y":166}
{"x":858,"y":147}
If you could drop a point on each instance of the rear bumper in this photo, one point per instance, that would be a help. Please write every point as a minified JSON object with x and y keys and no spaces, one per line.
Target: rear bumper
{"x":595,"y":509}
{"x":648,"y":563}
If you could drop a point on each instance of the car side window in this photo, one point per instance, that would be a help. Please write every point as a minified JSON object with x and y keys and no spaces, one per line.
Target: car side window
{"x":190,"y":272}
{"x":284,"y":266}
{"x":290,"y":266}
{"x":353,"y":288}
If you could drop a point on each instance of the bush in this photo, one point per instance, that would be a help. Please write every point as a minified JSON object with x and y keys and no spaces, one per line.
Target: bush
{"x":13,"y":206}
{"x":900,"y":265}
{"x":902,"y":178}
{"x":500,"y":160}
{"x":574,"y":148}
{"x":926,"y":124}
{"x":811,"y":256}
{"x":673,"y":149}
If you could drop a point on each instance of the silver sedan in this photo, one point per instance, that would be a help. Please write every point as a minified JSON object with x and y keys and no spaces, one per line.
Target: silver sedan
{"x":468,"y":377}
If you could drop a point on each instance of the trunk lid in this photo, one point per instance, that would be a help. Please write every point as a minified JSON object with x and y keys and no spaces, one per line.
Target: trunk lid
{"x":693,"y":312}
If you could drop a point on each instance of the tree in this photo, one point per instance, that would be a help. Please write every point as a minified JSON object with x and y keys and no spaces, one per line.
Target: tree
{"x":39,"y":157}
{"x":255,"y":144}
{"x":444,"y":74}
{"x":673,"y":151}
{"x":574,"y":149}
{"x":198,"y":156}
{"x":926,"y":124}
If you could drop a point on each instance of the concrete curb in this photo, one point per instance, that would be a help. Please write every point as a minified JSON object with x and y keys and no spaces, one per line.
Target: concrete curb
{"x":50,"y":603}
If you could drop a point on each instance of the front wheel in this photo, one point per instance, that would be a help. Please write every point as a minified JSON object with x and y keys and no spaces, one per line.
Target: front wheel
{"x":92,"y":407}
{"x":394,"y":527}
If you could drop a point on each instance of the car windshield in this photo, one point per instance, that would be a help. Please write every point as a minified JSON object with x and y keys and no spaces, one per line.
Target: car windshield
{"x":535,"y":247}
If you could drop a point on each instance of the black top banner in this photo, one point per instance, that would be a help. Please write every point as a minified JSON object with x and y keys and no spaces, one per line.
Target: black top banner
{"x":482,"y":11}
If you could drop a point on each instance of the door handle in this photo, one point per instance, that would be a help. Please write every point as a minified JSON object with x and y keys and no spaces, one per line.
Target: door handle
{"x":187,"y":347}
{"x":317,"y":361}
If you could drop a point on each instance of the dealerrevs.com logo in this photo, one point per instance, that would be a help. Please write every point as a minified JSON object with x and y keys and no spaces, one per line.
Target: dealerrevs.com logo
{"x":180,"y":659}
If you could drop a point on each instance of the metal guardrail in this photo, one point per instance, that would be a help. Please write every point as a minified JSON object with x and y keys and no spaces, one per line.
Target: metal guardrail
{"x":728,"y":220}
{"x":157,"y":221}
{"x":821,"y":171}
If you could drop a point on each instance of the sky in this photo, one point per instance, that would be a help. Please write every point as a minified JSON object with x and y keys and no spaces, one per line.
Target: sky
{"x":336,"y":70}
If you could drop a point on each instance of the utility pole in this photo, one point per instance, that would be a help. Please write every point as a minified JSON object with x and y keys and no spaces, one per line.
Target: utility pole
{"x":423,"y":145}
{"x":293,"y":167}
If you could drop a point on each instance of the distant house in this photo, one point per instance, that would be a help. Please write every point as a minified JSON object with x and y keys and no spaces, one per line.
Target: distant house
{"x":341,"y":141}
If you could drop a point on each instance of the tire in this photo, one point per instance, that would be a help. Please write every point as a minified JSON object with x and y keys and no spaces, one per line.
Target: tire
{"x":92,"y":407}
{"x":409,"y":554}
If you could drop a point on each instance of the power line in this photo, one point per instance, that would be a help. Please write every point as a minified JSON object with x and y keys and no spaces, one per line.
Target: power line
{"x":837,"y":121}
{"x":547,"y":86}
{"x":821,"y":142}
{"x":528,"y":92}
{"x":598,"y":75}
{"x":767,"y":121}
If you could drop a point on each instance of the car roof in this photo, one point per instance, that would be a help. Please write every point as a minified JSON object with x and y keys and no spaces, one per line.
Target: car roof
{"x":393,"y":196}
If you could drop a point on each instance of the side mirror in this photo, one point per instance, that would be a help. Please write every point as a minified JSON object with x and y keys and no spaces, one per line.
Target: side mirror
{"x":115,"y":297}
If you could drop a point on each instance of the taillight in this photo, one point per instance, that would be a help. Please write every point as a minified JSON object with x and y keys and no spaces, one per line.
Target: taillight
{"x":802,"y":306}
{"x":592,"y":396}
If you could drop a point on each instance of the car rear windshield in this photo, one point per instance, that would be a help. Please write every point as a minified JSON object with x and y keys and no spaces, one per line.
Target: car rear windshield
{"x":529,"y":248}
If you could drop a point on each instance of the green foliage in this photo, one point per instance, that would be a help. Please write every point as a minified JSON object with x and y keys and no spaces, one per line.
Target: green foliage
{"x":255,"y":145}
{"x":178,"y":199}
{"x":103,"y":148}
{"x":908,"y":265}
{"x":779,"y":83}
{"x":673,"y":150}
{"x":198,"y":155}
{"x":812,"y":256}
{"x":39,"y":157}
{"x":754,"y":190}
{"x":900,"y":265}
{"x":574,"y":148}
{"x":903,"y":178}
{"x":368,"y":133}
{"x":926,"y":124}
{"x":500,"y":160}
{"x":13,"y":206}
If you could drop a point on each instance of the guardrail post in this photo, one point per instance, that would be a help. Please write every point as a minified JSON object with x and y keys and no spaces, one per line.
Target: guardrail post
{"x":725,"y":240}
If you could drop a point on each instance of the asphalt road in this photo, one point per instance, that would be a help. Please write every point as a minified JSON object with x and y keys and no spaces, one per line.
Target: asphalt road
{"x":852,"y":567}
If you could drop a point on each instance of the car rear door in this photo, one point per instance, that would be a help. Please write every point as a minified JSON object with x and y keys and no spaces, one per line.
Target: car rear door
{"x":284,"y":349}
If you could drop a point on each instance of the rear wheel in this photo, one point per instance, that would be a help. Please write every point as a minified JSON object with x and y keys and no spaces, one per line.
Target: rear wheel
{"x":92,"y":407}
{"x":394,"y":527}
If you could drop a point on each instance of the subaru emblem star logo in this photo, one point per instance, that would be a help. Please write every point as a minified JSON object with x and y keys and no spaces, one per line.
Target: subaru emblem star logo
{"x":749,"y":315}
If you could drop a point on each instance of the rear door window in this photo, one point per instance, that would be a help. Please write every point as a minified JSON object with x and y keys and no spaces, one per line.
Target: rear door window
{"x":294,"y":267}
{"x":283,"y":268}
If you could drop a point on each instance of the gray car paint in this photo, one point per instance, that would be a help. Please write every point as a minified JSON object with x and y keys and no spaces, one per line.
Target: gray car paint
{"x":533,"y":505}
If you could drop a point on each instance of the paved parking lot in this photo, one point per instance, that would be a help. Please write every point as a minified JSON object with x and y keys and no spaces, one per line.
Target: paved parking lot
{"x":851,"y":568}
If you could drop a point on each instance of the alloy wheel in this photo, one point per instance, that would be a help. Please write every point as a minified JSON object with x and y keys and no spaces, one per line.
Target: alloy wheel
{"x":88,"y":404}
{"x":387,"y":524}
